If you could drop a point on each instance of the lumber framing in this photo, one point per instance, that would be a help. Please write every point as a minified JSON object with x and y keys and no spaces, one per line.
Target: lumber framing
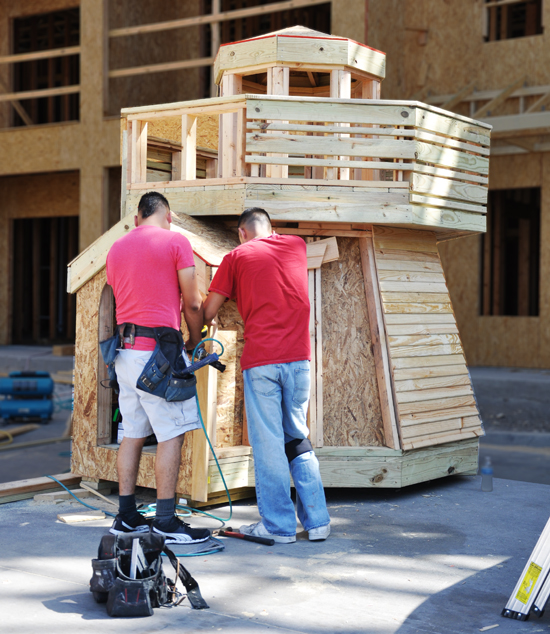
{"x":372,"y":186}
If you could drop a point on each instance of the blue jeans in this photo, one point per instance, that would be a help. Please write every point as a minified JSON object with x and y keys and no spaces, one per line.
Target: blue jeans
{"x":276,"y":400}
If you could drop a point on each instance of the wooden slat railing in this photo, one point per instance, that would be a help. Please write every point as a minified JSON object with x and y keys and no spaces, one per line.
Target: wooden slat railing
{"x":443,"y":156}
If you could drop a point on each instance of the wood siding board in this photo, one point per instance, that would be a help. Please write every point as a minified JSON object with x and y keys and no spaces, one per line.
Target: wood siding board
{"x":332,"y":112}
{"x":438,"y":405}
{"x":434,"y":186}
{"x":418,"y":418}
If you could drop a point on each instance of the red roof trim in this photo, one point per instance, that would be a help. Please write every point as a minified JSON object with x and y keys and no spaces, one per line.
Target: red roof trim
{"x":307,"y":37}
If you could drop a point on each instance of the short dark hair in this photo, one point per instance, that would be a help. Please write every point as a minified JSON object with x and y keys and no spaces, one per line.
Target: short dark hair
{"x":150,"y":203}
{"x":254,"y":215}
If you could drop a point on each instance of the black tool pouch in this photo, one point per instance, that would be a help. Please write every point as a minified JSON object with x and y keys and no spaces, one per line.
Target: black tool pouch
{"x":125,"y":596}
{"x":165,"y":374}
{"x":137,"y":597}
{"x":109,"y":352}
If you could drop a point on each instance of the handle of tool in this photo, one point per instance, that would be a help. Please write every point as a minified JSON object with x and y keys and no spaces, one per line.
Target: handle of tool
{"x":248,"y":538}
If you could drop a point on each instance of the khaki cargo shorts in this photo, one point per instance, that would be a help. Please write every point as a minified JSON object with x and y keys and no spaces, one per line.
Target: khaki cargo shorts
{"x":143,"y":413}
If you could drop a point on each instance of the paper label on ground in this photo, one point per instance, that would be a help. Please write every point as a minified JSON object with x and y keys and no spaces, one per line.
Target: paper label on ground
{"x":528,"y":583}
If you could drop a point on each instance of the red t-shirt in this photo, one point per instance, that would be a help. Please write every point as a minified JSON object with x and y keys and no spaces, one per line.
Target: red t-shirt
{"x":268,"y":278}
{"x":142,"y":268}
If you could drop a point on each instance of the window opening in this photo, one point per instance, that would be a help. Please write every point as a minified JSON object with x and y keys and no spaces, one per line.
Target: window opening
{"x":510,"y":262}
{"x":41,"y":33}
{"x":513,"y":19}
{"x":43,"y":312}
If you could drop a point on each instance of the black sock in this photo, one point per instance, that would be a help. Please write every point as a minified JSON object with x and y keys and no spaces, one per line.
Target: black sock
{"x":127,"y":505}
{"x":165,"y":510}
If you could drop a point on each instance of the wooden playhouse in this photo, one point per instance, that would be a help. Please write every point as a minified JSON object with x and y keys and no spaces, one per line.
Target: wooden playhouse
{"x":372,"y":186}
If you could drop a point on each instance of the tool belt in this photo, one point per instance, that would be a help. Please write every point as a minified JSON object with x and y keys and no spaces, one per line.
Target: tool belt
{"x":128,"y":576}
{"x":167,"y":373}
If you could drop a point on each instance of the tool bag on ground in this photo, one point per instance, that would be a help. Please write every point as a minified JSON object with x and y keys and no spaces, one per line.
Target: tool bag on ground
{"x":128,"y":576}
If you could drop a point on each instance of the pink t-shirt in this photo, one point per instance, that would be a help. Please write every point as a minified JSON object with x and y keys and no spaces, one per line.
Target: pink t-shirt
{"x":268,"y":278}
{"x":142,"y":268}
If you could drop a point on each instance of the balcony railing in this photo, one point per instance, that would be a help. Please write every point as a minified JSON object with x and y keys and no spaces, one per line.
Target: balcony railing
{"x":442,"y":156}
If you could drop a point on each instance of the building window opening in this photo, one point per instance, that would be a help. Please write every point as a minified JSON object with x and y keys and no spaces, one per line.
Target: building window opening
{"x":507,"y":20}
{"x":42,"y":311}
{"x":41,"y":33}
{"x":510,"y":262}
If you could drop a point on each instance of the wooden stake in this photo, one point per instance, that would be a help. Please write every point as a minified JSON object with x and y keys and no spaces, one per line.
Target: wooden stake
{"x":319,"y":440}
{"x":189,"y":149}
{"x":312,"y":413}
{"x":378,"y":334}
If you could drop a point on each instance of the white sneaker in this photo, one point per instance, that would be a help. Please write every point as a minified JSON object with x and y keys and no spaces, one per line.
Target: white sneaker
{"x":259,"y":530}
{"x":319,"y":533}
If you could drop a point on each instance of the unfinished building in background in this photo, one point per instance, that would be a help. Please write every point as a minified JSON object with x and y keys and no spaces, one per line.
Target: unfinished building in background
{"x":67,"y":67}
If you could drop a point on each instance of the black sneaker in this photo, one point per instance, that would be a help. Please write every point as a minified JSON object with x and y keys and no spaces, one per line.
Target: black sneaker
{"x":177,"y":532}
{"x":123,"y":525}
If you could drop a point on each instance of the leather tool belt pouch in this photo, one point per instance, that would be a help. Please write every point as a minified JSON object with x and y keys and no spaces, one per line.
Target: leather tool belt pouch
{"x":166,"y":374}
{"x":134,"y":589}
{"x":109,"y":352}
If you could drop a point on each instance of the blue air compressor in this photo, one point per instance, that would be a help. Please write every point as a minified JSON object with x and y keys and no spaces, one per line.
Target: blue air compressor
{"x":26,"y":395}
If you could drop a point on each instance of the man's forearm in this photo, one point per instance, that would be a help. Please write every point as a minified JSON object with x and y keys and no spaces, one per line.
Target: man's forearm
{"x":194,"y":318}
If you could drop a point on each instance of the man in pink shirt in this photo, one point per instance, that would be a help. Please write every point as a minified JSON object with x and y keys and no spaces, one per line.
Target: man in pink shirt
{"x":152,"y":272}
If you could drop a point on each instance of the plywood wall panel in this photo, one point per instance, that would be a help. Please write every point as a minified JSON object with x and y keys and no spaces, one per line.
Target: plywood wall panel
{"x":229,"y":422}
{"x":170,"y":129}
{"x":351,"y":405}
{"x":153,"y":48}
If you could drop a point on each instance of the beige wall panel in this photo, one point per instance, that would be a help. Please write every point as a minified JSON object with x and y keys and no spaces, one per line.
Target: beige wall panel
{"x":351,"y":405}
{"x":40,"y":195}
{"x":506,"y":340}
{"x":58,"y":147}
{"x":438,"y":46}
{"x":150,"y":49}
{"x":229,"y":421}
{"x":518,"y":170}
{"x":347,"y":19}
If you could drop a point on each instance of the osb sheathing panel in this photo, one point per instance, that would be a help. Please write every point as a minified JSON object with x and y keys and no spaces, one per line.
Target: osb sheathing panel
{"x":87,"y":458}
{"x":153,"y":48}
{"x":439,"y":46}
{"x":351,"y":405}
{"x":515,"y":171}
{"x":229,"y":421}
{"x":502,"y":340}
{"x":170,"y":129}
{"x":347,"y":19}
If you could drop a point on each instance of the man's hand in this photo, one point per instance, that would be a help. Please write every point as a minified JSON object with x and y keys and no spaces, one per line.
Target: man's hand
{"x":192,"y":305}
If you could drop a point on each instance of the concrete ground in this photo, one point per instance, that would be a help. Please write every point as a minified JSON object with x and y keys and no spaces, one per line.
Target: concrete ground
{"x":515,"y":408}
{"x":440,"y":558}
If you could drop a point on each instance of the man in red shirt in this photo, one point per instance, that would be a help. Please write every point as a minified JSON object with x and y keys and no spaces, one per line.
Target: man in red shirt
{"x":152,"y":272}
{"x":267,"y":275}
